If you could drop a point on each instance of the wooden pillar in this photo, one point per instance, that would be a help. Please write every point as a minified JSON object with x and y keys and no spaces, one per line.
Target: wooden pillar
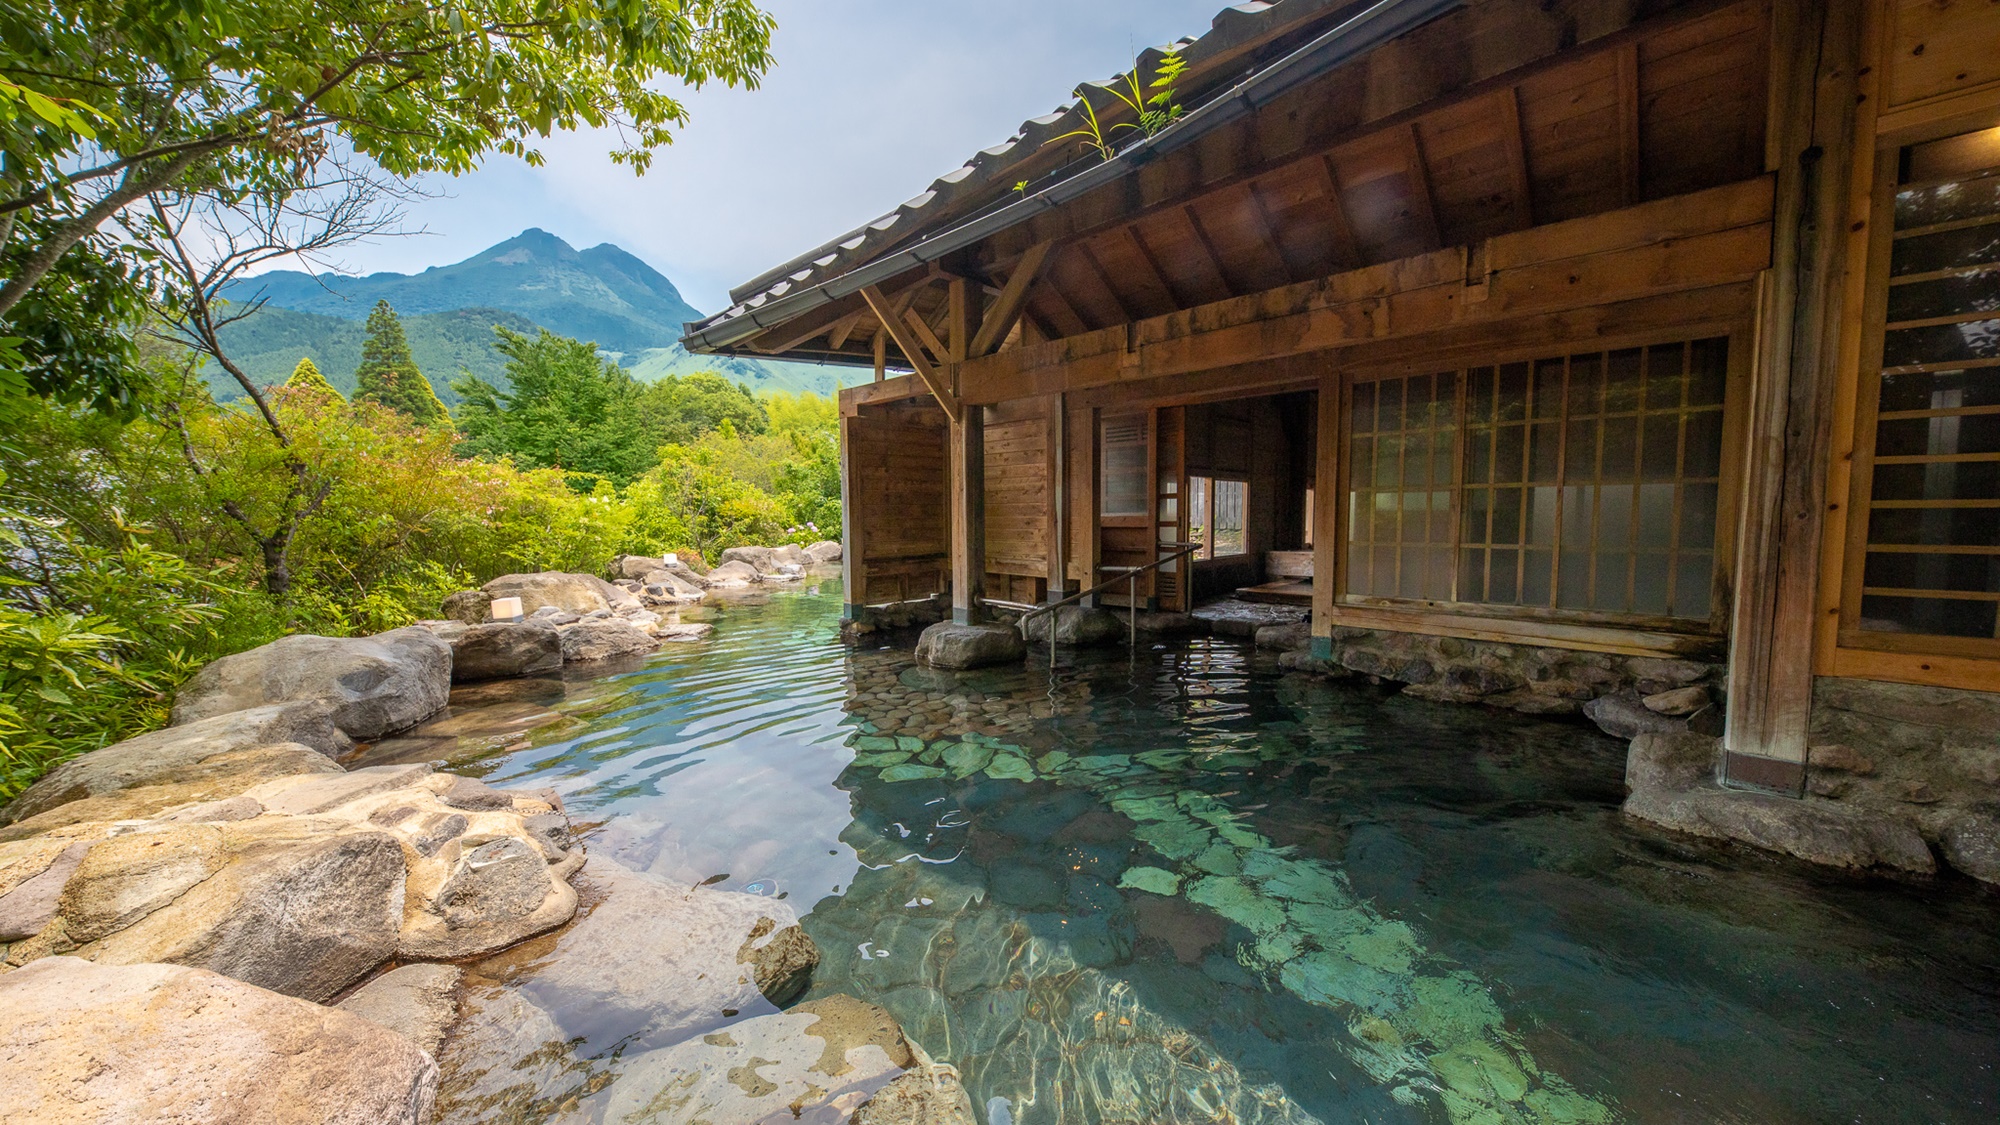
{"x":853,"y":564}
{"x":1810,"y":139}
{"x":967,"y":470}
{"x":1327,"y":499}
{"x":1082,"y":502}
{"x":1056,"y":427}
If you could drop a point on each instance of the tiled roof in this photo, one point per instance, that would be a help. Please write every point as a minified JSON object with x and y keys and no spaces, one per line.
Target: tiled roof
{"x":957,"y":194}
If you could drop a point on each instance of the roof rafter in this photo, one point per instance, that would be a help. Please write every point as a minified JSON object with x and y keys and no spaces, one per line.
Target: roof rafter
{"x":892,"y":324}
{"x":1013,"y":299}
{"x":1423,"y":207}
{"x":1346,"y":246}
{"x":1512,"y":135}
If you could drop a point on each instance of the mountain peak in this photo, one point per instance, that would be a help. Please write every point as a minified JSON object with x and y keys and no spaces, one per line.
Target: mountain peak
{"x":530,"y":245}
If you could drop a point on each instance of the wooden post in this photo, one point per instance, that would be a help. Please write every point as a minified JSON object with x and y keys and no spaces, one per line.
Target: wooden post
{"x":968,"y":516}
{"x":853,"y":565}
{"x":1816,"y":54}
{"x":1056,"y":427}
{"x":1327,"y":500}
{"x":1082,"y":501}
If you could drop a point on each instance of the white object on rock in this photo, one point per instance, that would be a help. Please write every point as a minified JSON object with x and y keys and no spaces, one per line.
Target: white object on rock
{"x":506,"y":609}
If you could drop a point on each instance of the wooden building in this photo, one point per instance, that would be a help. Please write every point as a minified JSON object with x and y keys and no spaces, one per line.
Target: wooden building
{"x":1657,"y":328}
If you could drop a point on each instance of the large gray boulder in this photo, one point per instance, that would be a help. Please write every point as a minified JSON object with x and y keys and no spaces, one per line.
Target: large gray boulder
{"x":824,"y":552}
{"x":1078,"y":626}
{"x":468,"y":607}
{"x":733,"y":574}
{"x":958,"y":647}
{"x":505,"y":650}
{"x":192,"y":753}
{"x":670,"y":959}
{"x":670,"y":586}
{"x":498,"y":893}
{"x":371,"y":686}
{"x":605,"y":639}
{"x":285,"y":904}
{"x":769,"y":561}
{"x":581,"y":594}
{"x":162,"y":1043}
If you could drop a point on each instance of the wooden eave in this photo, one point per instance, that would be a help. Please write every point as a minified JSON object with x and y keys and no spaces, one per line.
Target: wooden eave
{"x":1479,"y":124}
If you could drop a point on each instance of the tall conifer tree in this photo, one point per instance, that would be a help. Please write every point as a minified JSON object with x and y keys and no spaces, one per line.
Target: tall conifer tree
{"x":306,"y":377}
{"x":389,"y":375}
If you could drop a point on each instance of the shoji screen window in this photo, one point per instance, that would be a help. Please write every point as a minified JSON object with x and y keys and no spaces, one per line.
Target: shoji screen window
{"x":1923,"y":567}
{"x":1587,"y":483}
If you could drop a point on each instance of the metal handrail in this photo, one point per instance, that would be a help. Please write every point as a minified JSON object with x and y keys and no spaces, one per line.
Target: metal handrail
{"x":1130,"y":578}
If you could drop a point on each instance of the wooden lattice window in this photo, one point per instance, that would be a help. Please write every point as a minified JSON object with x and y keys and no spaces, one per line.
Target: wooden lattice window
{"x":1126,"y":446}
{"x":1923,"y":566}
{"x":1587,"y":483}
{"x":1402,"y":444}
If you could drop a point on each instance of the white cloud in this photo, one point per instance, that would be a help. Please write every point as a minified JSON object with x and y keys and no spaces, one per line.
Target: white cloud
{"x":870,"y":101}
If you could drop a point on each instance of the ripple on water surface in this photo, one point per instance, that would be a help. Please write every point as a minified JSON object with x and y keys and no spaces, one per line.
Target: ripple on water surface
{"x":1189,"y":888}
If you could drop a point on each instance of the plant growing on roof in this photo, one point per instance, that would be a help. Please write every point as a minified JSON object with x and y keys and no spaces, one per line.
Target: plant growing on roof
{"x":1152,"y":112}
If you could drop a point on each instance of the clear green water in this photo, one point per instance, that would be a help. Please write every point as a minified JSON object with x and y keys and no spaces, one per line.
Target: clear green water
{"x":1191,"y":888}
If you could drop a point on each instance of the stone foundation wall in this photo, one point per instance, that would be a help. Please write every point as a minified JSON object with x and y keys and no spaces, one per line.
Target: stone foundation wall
{"x":1625,"y":695}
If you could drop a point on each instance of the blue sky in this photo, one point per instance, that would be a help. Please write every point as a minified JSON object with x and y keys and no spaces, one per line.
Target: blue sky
{"x":870,"y":101}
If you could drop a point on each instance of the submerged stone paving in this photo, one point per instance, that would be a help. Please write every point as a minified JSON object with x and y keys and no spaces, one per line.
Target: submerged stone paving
{"x":1427,"y":1031}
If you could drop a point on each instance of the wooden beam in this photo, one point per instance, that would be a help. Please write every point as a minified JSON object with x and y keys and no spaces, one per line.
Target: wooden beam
{"x":1013,"y":300}
{"x":1143,"y":254}
{"x":1346,"y":247}
{"x":881,"y":354}
{"x":853,"y":532}
{"x":958,"y":318}
{"x":1511,"y":134}
{"x":912,"y":352}
{"x":1628,"y":122}
{"x":1329,"y":456}
{"x":843,"y":328}
{"x":1209,"y":253}
{"x":1261,"y":226}
{"x":1068,"y":322}
{"x":1103,"y":280}
{"x":926,"y":336}
{"x":1423,"y":207}
{"x":1700,"y":241}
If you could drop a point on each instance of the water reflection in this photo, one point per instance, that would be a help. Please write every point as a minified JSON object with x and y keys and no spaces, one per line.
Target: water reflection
{"x":1187,"y":888}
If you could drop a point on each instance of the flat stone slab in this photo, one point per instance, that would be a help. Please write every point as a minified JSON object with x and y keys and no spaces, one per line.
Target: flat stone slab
{"x":143,"y":1043}
{"x":1234,"y":617}
{"x":1810,"y":829}
{"x":320,"y":792}
{"x":417,"y":1002}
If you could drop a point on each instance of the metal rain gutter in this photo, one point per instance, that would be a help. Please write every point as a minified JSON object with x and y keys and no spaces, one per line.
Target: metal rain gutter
{"x":1351,"y":38}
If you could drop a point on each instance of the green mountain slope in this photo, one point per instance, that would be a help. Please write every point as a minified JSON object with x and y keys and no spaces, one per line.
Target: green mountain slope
{"x":631,"y":311}
{"x":757,"y":374}
{"x":270,"y":342}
